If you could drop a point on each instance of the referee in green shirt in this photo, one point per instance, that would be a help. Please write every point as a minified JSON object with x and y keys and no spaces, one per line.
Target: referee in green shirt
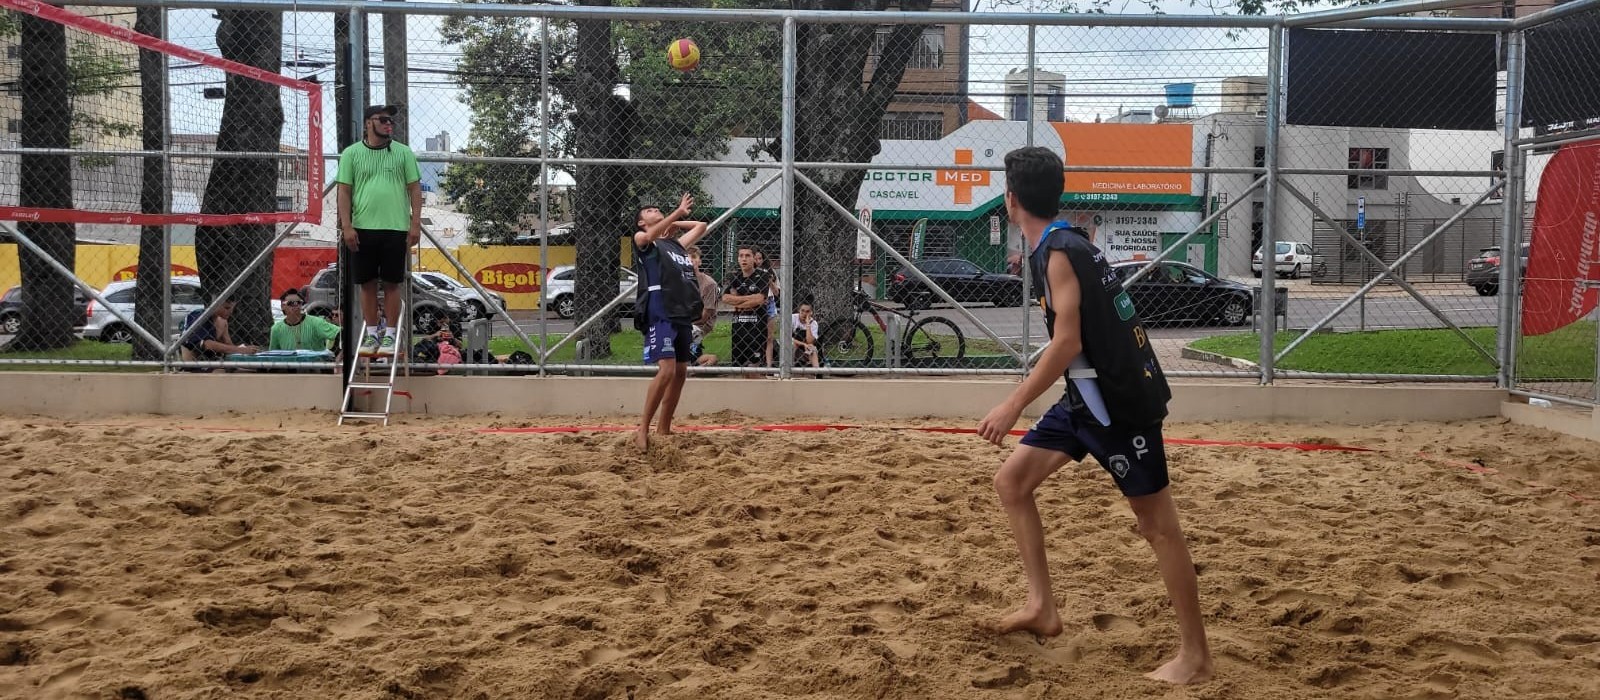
{"x":380,"y":215}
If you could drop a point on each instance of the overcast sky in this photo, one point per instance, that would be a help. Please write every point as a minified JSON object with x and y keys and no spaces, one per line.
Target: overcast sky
{"x":1107,"y":69}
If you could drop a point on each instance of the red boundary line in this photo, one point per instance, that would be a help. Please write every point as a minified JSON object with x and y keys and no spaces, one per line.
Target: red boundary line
{"x":314,"y":169}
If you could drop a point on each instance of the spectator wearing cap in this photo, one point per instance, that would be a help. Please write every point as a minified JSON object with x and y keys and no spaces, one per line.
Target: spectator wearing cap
{"x":380,"y":217}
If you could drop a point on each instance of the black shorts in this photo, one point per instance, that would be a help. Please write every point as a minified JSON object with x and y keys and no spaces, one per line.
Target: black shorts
{"x":1136,"y":459}
{"x":382,"y":255}
{"x":749,"y":344}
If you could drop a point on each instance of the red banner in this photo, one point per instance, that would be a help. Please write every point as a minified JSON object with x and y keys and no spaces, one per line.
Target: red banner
{"x":1563,"y":277}
{"x":314,"y":165}
{"x":292,"y":268}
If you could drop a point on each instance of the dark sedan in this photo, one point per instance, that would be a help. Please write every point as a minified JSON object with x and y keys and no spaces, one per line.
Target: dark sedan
{"x":11,"y":310}
{"x":1175,"y":292}
{"x":962,"y":279}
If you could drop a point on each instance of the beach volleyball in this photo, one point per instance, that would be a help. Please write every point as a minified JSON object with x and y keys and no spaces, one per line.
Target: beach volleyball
{"x":683,"y":54}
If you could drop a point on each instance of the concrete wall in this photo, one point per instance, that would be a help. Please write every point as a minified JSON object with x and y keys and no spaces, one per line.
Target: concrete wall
{"x":1584,"y":423}
{"x":80,"y":395}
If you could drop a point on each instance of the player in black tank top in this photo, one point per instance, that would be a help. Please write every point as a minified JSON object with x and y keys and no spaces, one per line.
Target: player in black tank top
{"x":1094,"y":331}
{"x":676,"y":298}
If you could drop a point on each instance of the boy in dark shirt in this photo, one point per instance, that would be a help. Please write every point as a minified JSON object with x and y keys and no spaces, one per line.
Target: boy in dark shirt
{"x":668,"y":305}
{"x":746,"y":292}
{"x":1115,"y":401}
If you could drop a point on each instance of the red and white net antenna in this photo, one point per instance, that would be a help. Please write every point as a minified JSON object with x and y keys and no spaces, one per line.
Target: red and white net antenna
{"x":313,"y":91}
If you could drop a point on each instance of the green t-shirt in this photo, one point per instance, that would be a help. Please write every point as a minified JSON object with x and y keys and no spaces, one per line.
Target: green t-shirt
{"x":378,"y":179}
{"x":312,"y":333}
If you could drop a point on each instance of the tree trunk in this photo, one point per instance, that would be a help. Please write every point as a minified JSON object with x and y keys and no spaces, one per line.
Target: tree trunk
{"x":151,"y":278}
{"x":46,"y":181}
{"x":396,"y":88}
{"x":603,"y":126}
{"x":252,"y":120}
{"x":839,"y":120}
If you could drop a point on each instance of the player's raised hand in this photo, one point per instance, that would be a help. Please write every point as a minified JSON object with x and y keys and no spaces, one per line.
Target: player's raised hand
{"x":685,"y":204}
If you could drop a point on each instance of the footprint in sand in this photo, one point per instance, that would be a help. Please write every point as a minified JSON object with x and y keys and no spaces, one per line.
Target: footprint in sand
{"x":356,"y":625}
{"x":601,"y":655}
{"x":1107,"y":622}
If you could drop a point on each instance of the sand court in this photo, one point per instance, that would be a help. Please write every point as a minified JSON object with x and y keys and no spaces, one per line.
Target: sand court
{"x":269,"y":556}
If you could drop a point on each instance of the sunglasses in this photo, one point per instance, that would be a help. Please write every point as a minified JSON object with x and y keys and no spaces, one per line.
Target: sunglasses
{"x":293,"y":303}
{"x":385,"y":120}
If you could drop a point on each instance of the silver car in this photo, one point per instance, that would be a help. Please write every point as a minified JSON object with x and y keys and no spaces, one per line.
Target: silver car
{"x":186,"y":298}
{"x":562,"y":283}
{"x":476,"y":305}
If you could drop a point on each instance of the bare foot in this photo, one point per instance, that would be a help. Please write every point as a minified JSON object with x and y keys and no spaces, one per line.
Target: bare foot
{"x":664,"y":430}
{"x":641,"y":439}
{"x":1044,"y":622}
{"x":1183,"y":670}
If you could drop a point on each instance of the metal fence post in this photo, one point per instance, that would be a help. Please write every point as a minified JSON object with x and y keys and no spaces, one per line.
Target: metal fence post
{"x":166,"y":197}
{"x":1269,"y":210}
{"x":358,"y":99}
{"x":1027,"y":266}
{"x":544,"y":195}
{"x":786,"y":233}
{"x":1511,"y":219}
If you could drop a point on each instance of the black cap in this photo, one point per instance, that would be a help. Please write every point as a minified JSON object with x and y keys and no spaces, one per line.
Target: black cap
{"x":390,"y":110}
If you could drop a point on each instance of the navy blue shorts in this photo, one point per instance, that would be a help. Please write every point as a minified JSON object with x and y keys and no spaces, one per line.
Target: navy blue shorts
{"x":1136,"y":459}
{"x":665,"y":340}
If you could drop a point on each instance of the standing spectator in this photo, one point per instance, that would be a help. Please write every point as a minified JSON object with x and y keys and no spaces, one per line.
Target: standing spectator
{"x":667,"y":307}
{"x":298,"y":331}
{"x":710,"y":296}
{"x":770,"y":268}
{"x":746,"y":292}
{"x":380,"y":215}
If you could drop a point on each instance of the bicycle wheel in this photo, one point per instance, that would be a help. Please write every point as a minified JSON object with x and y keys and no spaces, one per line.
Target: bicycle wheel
{"x":846,"y":340}
{"x":935,"y":341}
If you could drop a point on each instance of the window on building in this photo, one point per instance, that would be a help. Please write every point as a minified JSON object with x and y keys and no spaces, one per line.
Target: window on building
{"x":1368,"y":159}
{"x":1019,"y":107}
{"x":13,"y":51}
{"x":928,"y":53}
{"x":13,"y":126}
{"x":913,"y":126}
{"x":285,"y":203}
{"x":1057,"y":104}
{"x":1260,"y":157}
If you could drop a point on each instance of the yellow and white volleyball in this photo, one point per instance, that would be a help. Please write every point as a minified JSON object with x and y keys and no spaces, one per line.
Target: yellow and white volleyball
{"x":683,"y":54}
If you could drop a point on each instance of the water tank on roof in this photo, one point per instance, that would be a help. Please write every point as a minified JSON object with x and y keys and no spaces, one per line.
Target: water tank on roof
{"x":1180,"y":95}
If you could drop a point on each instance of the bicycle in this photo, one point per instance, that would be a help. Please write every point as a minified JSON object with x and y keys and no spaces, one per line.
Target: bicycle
{"x":926,"y":342}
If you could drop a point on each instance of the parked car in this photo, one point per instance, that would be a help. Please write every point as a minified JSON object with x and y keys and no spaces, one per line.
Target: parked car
{"x":561,"y":283}
{"x":430,"y":307}
{"x":477,"y":306}
{"x":562,"y":234}
{"x":962,"y":279}
{"x":102,"y":325}
{"x":1294,"y":260}
{"x":1483,"y":270}
{"x":1176,"y":292}
{"x":11,"y":310}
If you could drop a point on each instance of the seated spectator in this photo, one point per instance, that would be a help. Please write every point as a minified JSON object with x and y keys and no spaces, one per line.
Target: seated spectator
{"x":299,"y":331}
{"x":212,"y":340}
{"x":805,"y":336}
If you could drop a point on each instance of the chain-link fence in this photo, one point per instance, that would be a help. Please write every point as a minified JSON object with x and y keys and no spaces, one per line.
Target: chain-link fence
{"x":1346,"y":174}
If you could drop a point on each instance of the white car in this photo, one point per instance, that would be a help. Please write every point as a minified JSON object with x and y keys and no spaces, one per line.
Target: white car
{"x":561,"y":282}
{"x":103,"y":325}
{"x":447,"y":284}
{"x":1294,"y":260}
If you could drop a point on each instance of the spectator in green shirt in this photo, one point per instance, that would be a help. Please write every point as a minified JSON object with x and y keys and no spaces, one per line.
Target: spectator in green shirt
{"x":297,"y":331}
{"x":380,"y":217}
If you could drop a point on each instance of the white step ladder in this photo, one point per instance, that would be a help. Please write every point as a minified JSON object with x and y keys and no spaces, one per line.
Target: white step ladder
{"x":369,"y":388}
